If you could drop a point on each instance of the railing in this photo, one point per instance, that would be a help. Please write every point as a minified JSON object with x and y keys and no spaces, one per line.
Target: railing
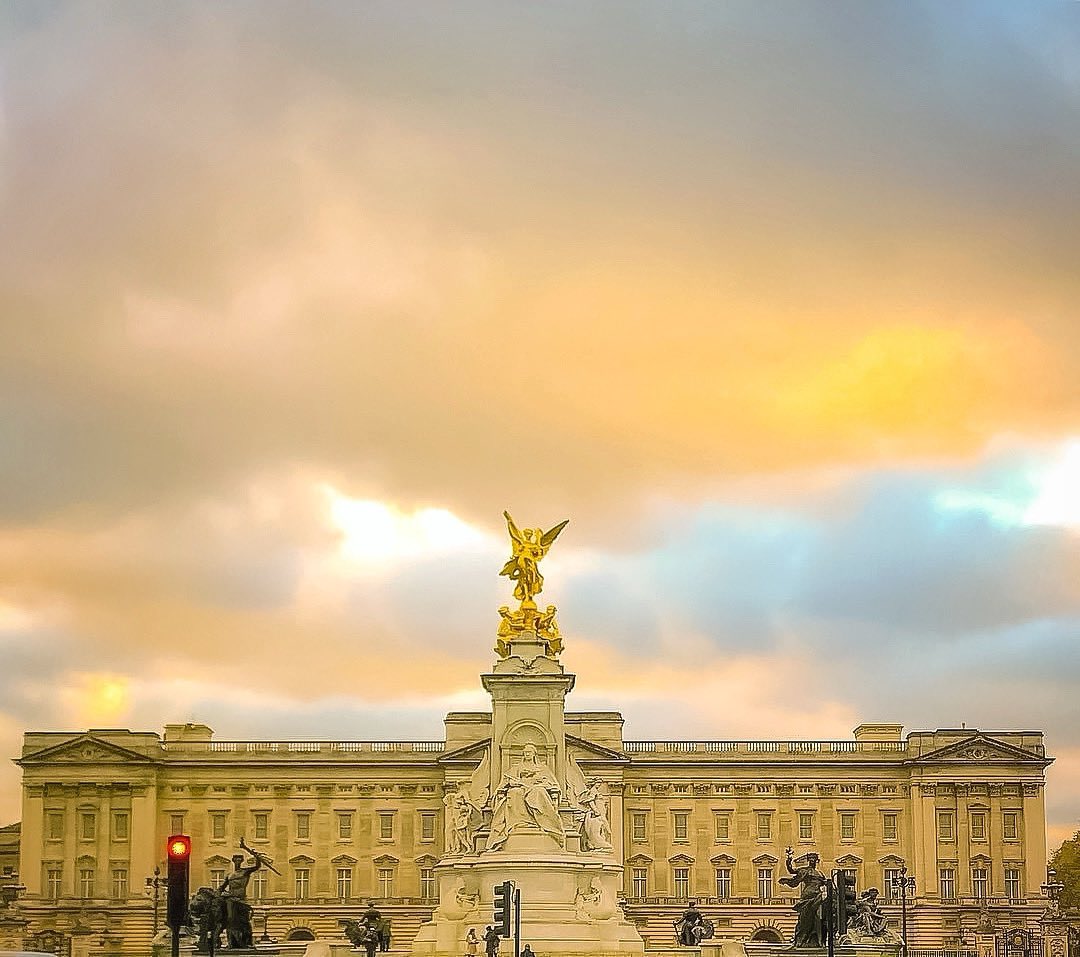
{"x":915,"y":952}
{"x":765,"y":747}
{"x":302,"y":747}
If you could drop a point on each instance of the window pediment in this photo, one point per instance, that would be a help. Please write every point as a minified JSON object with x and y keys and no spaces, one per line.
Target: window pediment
{"x":343,"y":859}
{"x":301,"y":859}
{"x":765,"y":859}
{"x":849,"y":860}
{"x":680,"y":859}
{"x":722,"y":860}
{"x":426,"y":860}
{"x":385,"y":860}
{"x":639,"y":859}
{"x":217,"y":861}
{"x":891,"y":860}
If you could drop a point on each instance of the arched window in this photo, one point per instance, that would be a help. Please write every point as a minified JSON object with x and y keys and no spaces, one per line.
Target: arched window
{"x":300,"y":933}
{"x":767,"y":935}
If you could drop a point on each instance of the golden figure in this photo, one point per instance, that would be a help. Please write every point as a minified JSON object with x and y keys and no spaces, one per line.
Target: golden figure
{"x":529,"y":547}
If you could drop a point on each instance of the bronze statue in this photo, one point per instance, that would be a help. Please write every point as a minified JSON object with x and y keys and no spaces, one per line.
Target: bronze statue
{"x":693,"y":927}
{"x":869,"y":921}
{"x":206,"y":912}
{"x":809,"y":928}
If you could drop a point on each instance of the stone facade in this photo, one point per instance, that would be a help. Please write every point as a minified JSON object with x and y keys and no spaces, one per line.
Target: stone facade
{"x":345,"y":821}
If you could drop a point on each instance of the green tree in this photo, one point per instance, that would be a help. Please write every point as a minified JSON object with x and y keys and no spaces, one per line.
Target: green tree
{"x":1066,"y":861}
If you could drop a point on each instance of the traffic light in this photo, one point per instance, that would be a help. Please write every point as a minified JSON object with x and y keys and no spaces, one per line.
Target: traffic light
{"x":845,"y":904}
{"x":178,"y":854}
{"x":504,"y":896}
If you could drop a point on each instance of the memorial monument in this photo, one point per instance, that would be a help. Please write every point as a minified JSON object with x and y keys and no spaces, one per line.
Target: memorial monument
{"x":527,"y":813}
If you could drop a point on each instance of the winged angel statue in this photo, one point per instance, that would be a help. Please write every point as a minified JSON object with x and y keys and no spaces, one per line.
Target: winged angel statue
{"x":529,"y":546}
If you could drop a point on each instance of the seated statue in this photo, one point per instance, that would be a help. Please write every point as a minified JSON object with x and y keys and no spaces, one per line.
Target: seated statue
{"x":693,"y":927}
{"x":526,"y":800}
{"x":869,"y":921}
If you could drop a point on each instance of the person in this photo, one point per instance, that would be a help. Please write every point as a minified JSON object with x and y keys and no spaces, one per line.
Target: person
{"x":527,"y":951}
{"x":689,"y":928}
{"x":237,"y":910}
{"x":526,"y":800}
{"x":491,"y":942}
{"x":809,"y":927}
{"x":472,"y":943}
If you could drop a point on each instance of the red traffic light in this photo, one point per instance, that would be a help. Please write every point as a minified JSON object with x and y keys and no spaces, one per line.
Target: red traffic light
{"x":179,"y":847}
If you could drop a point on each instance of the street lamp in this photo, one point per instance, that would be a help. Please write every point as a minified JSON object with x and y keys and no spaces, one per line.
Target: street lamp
{"x":903,"y":884}
{"x":1052,"y":889}
{"x":153,"y":886}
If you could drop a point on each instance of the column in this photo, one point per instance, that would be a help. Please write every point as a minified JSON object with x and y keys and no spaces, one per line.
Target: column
{"x":32,"y":838}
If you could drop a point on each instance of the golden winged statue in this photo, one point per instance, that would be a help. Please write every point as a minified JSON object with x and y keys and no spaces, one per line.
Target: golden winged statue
{"x":529,"y":546}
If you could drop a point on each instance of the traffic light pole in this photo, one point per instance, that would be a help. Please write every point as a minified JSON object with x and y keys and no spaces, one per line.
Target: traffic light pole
{"x":830,"y":931}
{"x":517,"y":922}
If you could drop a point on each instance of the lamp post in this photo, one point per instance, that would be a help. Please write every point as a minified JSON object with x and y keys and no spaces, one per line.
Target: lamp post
{"x":1052,"y":889}
{"x":153,"y":886}
{"x":903,"y":884}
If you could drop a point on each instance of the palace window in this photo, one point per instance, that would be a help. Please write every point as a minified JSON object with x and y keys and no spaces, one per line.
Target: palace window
{"x":980,"y":882}
{"x":344,"y":883}
{"x":889,"y":875}
{"x":682,"y":882}
{"x":386,"y":882}
{"x":637,"y":826}
{"x":344,"y":826}
{"x":1010,"y":825}
{"x":1012,"y":884}
{"x":87,"y":825}
{"x":723,"y":883}
{"x":978,"y":825}
{"x":722,"y":826}
{"x":427,"y":883}
{"x":217,"y":826}
{"x":847,"y":825}
{"x":217,"y":877}
{"x":680,"y":829}
{"x":947,"y":883}
{"x":262,"y":825}
{"x":427,"y":828}
{"x":119,"y":883}
{"x":120,"y":825}
{"x":386,"y":830}
{"x":258,"y":885}
{"x":765,"y":883}
{"x":889,"y":829}
{"x":176,"y":823}
{"x":806,"y":826}
{"x":303,"y":826}
{"x":302,"y":883}
{"x":55,"y":826}
{"x":54,"y":883}
{"x":945,"y":830}
{"x":764,"y":826}
{"x":641,"y":882}
{"x":86,"y":882}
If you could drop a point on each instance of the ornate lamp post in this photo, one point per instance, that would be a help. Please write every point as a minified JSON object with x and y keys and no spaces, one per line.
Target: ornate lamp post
{"x":153,"y":886}
{"x":903,"y":884}
{"x":1052,"y":889}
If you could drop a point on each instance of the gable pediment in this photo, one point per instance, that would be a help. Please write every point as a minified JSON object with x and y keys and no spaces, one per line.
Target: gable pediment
{"x":217,"y":861}
{"x":302,"y":859}
{"x":891,"y":860}
{"x":469,"y":754}
{"x":426,"y":860}
{"x":980,"y":749}
{"x":384,"y":860}
{"x":848,"y":860}
{"x":722,"y":860}
{"x":590,"y":751}
{"x":84,"y":749}
{"x":342,"y":859}
{"x":639,"y":859}
{"x":679,"y":859}
{"x":766,"y":859}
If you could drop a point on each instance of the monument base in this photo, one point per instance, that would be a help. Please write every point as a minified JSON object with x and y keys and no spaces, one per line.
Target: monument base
{"x":568,"y":903}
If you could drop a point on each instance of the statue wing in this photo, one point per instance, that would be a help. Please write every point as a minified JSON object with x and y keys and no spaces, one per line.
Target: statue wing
{"x":515,"y":532}
{"x":552,"y":533}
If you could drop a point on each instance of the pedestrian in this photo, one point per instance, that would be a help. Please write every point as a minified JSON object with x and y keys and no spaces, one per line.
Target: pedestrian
{"x":472,"y":943}
{"x":527,"y":951}
{"x":491,"y":941}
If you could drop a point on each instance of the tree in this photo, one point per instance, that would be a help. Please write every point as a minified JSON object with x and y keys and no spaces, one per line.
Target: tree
{"x":1066,"y":861}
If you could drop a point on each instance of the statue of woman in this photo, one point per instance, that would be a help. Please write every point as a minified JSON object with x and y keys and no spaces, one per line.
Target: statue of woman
{"x":809,"y":928}
{"x":526,"y":800}
{"x":596,"y":829}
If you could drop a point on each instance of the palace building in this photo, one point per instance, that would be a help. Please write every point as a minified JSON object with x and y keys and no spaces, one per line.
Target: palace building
{"x":345,"y":821}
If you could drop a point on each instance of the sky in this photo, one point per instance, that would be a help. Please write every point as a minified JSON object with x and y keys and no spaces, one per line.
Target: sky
{"x":776,"y":302}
